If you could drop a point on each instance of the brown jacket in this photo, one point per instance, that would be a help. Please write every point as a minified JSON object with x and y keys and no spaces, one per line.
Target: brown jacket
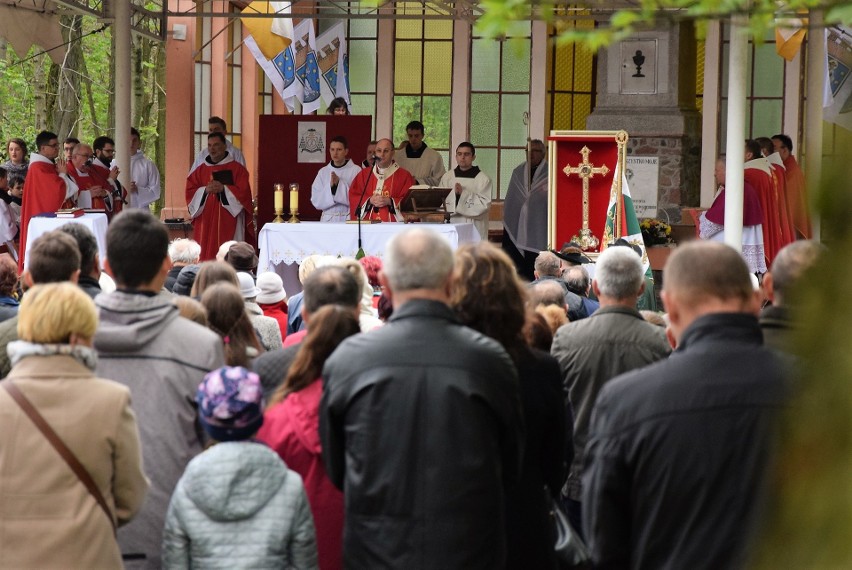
{"x":49,"y":519}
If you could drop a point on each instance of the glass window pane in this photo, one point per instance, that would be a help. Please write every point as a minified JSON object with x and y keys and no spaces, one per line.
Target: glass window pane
{"x":438,"y":29}
{"x":768,"y":72}
{"x":767,"y":117}
{"x":484,"y":119}
{"x":519,"y":29}
{"x":365,"y":105}
{"x":486,"y":160}
{"x":363,"y":28}
{"x":436,"y":120}
{"x":362,"y":65}
{"x":561,"y":119}
{"x":563,"y":70}
{"x":509,"y":159}
{"x":516,"y":65}
{"x":583,"y":64}
{"x":582,"y":110}
{"x":408,"y":67}
{"x":513,"y":131}
{"x":409,"y":29}
{"x":438,"y":68}
{"x":485,"y":58}
{"x":405,"y":110}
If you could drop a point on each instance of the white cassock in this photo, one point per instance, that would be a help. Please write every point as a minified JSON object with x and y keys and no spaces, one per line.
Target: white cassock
{"x":333,"y":205}
{"x":473,"y":203}
{"x":147,"y":178}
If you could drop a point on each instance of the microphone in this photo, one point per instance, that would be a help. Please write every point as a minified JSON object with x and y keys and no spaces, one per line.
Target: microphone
{"x":360,"y":253}
{"x":374,"y":159}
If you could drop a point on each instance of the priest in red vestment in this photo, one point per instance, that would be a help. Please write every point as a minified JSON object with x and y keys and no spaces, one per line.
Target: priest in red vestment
{"x":767,"y":149}
{"x":105,"y":174}
{"x":797,"y":201}
{"x":218,"y":196}
{"x":758,"y":174}
{"x":92,"y":193}
{"x":46,"y":187}
{"x":387,"y":185}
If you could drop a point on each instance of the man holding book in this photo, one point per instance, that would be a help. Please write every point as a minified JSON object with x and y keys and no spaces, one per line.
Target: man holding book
{"x":218,"y":196}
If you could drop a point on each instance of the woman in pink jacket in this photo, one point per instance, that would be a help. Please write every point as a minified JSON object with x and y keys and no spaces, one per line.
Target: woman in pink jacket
{"x":291,"y":427}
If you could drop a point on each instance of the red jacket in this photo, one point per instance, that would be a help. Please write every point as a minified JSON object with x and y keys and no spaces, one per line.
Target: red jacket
{"x":291,"y":428}
{"x":277,"y":311}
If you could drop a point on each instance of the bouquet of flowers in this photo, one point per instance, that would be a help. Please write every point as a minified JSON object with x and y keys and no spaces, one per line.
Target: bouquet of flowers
{"x":655,"y":232}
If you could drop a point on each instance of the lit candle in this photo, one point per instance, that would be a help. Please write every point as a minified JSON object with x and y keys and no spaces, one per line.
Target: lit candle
{"x":279,"y":196}
{"x":294,"y":197}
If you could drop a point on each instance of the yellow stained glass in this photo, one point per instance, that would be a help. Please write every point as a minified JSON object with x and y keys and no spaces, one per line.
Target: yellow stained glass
{"x":563,"y":70}
{"x":582,"y":109}
{"x":408,"y":67}
{"x":438,"y":29}
{"x":699,"y":75}
{"x":583,"y":67}
{"x":438,"y":68}
{"x":561,"y":119}
{"x":409,"y":29}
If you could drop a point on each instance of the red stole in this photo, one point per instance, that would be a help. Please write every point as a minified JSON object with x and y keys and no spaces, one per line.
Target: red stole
{"x":395,"y":187}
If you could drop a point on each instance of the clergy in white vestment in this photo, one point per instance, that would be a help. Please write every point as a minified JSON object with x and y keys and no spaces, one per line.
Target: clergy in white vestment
{"x":525,"y":211}
{"x":470,"y":200}
{"x":330,"y":190}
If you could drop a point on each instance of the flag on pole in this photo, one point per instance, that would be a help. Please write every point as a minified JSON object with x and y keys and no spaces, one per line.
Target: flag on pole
{"x":837,"y":106}
{"x":299,"y":69}
{"x":268,"y":37}
{"x":629,"y":224}
{"x":789,"y":35}
{"x":333,"y":60}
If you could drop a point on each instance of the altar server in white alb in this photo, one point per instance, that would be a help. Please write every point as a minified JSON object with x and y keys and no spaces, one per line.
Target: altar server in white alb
{"x":470,"y":199}
{"x":330,"y":190}
{"x":144,"y":176}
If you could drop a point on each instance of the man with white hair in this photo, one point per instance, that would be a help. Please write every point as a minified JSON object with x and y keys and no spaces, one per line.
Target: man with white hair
{"x":614,"y":340}
{"x":421,"y":425}
{"x":182,"y":252}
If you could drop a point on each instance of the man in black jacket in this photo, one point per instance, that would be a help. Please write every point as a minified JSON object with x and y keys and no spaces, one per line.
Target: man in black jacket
{"x":421,"y":425}
{"x":678,"y":450}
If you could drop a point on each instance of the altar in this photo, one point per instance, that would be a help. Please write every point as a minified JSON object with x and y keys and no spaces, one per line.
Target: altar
{"x":97,"y":224}
{"x":283,"y":246}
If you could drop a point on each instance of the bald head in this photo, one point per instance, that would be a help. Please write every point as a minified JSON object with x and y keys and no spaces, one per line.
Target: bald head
{"x":706,"y":277}
{"x":384,"y":152}
{"x":417,"y":262}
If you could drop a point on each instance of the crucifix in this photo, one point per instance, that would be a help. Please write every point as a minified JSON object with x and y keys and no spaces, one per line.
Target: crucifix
{"x":586,"y":170}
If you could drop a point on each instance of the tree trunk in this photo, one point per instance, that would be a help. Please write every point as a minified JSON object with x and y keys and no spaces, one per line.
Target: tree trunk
{"x":41,"y":90}
{"x":65,"y":111}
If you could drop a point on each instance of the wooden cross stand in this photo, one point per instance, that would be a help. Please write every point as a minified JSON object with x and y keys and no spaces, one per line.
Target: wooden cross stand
{"x":586,"y":170}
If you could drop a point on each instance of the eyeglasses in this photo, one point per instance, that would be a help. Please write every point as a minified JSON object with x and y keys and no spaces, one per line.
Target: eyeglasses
{"x":54,"y":145}
{"x":86,"y":156}
{"x":108,"y":151}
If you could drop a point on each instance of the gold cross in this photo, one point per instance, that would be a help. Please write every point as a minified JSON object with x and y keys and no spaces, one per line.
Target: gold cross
{"x":586,"y":170}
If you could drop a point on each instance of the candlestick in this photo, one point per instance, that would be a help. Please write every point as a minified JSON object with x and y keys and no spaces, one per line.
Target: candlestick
{"x":294,"y":203}
{"x":279,"y":202}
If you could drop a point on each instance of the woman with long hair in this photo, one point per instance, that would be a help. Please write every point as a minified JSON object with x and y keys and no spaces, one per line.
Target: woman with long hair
{"x":489,"y":297}
{"x":227,"y":317}
{"x":211,"y":272}
{"x":50,"y":518}
{"x":338,"y":106}
{"x":291,"y":426}
{"x":16,"y":150}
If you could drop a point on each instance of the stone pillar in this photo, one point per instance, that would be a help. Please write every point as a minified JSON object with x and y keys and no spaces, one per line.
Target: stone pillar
{"x":646,"y":86}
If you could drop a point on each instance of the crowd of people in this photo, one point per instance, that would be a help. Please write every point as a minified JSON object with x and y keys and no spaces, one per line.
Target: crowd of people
{"x":439,"y":432}
{"x":431,"y":409}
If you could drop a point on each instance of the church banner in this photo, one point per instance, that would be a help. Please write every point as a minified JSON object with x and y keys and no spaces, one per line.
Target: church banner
{"x":333,"y":60}
{"x":586,"y":167}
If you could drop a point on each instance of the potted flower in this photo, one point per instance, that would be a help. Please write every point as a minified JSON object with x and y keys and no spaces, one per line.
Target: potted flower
{"x":657,"y":236}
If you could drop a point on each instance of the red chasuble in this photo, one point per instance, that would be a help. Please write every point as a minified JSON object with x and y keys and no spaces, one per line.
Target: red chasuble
{"x":44,"y":191}
{"x":213,"y":224}
{"x":797,"y":201}
{"x":780,"y":184}
{"x":395,"y":187}
{"x":759,"y":175}
{"x":100,"y":174}
{"x":85,"y":184}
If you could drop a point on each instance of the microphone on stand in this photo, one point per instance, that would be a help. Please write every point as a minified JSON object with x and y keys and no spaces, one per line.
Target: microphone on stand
{"x":360,"y":252}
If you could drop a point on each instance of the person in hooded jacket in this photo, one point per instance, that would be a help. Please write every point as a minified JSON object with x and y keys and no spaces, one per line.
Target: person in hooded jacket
{"x":291,"y":426}
{"x":237,"y":504}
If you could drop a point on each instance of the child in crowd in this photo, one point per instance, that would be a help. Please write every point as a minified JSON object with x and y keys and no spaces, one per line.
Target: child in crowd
{"x":237,"y":504}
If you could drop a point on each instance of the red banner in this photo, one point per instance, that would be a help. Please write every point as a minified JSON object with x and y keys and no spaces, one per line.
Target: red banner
{"x":570,"y":165}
